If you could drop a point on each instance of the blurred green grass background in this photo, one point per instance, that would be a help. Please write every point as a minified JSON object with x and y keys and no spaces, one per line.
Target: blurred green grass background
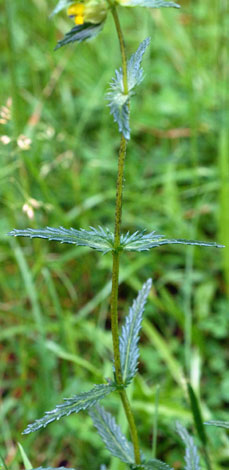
{"x":54,"y":337}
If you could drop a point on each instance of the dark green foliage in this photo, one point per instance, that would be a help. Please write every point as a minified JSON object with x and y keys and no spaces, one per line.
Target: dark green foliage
{"x":191,"y":454}
{"x":197,"y":415}
{"x":129,"y":352}
{"x":75,"y":404}
{"x":80,"y":33}
{"x":51,"y":468}
{"x":111,"y":435}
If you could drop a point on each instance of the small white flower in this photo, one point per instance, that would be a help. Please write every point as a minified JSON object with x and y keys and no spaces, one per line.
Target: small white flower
{"x":24,"y":142}
{"x":5,"y":139}
{"x":34,"y":203}
{"x":28,"y":210}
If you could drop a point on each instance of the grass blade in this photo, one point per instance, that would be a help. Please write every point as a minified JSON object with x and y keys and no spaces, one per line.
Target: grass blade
{"x":197,"y":415}
{"x":26,"y":462}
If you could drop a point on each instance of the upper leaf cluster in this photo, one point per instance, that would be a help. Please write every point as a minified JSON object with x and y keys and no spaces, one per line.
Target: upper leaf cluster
{"x":90,"y":29}
{"x":118,"y":99}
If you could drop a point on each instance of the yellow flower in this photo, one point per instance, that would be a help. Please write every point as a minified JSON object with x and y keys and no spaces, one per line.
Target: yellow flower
{"x":77,"y":11}
{"x":89,"y":11}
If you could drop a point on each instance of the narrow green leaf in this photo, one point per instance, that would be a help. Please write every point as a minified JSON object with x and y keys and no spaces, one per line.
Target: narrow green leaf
{"x":153,"y":464}
{"x":152,"y":4}
{"x":197,"y":415}
{"x":4,"y":466}
{"x":75,"y":404}
{"x":191,"y":454}
{"x":118,"y":101}
{"x":77,"y":359}
{"x":141,"y":241}
{"x":80,"y":33}
{"x":219,"y":424}
{"x":26,"y":462}
{"x":129,"y":338}
{"x":98,"y":239}
{"x":162,"y":346}
{"x":111,"y":435}
{"x":61,"y":5}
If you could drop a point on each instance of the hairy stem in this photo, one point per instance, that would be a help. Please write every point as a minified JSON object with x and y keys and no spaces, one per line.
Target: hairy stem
{"x":116,"y":256}
{"x":122,"y":47}
{"x":132,"y":425}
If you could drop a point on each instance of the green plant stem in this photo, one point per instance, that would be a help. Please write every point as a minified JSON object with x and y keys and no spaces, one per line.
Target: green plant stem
{"x":114,"y":317}
{"x":131,"y":422}
{"x":122,"y":48}
{"x":116,"y":256}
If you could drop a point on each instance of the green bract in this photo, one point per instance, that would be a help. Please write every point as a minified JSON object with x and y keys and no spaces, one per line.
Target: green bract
{"x":80,"y":33}
{"x":117,"y":98}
